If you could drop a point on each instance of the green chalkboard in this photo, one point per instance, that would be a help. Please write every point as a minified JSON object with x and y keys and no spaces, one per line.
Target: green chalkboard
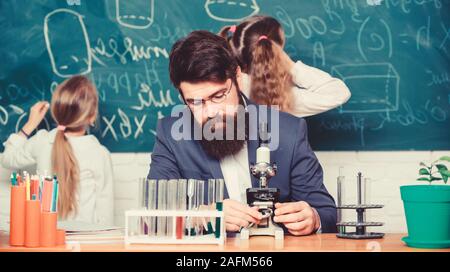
{"x":393,"y":54}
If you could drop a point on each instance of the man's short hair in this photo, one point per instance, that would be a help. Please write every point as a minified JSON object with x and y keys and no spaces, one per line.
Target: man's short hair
{"x":201,"y":56}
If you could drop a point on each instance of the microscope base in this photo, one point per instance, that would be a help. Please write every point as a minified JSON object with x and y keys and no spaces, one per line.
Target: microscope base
{"x":271,"y":230}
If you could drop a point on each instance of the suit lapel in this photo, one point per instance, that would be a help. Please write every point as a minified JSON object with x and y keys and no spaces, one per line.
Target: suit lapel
{"x":216,"y":171}
{"x":214,"y":167}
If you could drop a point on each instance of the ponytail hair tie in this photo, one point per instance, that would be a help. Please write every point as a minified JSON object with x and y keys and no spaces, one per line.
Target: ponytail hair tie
{"x":61,"y":128}
{"x":233,"y":29}
{"x":262,"y":37}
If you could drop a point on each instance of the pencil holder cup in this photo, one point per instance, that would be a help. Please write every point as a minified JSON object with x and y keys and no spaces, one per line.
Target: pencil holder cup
{"x":60,"y":237}
{"x":17,"y":216}
{"x":48,"y":229}
{"x":32,"y":222}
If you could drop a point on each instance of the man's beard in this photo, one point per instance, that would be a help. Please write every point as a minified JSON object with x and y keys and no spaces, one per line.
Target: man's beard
{"x":223,"y":147}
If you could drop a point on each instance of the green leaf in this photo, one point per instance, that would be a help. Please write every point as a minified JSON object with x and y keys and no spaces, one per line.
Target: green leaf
{"x":435,"y":178}
{"x":424,"y":171}
{"x":445,"y":158}
{"x":444,"y":173}
{"x":423,"y":164}
{"x":423,"y":179}
{"x":441,"y":167}
{"x":445,"y":178}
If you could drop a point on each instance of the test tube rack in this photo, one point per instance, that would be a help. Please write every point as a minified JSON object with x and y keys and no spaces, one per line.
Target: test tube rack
{"x":360,"y":225}
{"x":172,"y":215}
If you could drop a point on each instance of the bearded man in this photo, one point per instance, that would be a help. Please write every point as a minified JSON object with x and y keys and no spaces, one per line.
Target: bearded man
{"x":221,"y":141}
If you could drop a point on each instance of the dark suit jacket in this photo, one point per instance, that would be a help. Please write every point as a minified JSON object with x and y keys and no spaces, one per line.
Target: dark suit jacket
{"x":299,"y":176}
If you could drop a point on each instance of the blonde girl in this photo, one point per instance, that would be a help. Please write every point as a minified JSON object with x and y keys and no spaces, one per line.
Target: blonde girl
{"x":81,"y":163}
{"x":271,"y":77}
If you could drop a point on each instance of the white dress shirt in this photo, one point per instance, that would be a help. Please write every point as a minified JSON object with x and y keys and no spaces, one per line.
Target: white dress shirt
{"x":236,"y":173}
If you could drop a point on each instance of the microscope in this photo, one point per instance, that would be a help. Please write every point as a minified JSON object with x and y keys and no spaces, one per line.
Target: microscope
{"x":263,"y":197}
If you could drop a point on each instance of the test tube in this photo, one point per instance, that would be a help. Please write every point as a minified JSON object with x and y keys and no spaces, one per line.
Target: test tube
{"x":219,"y":204}
{"x":143,"y":193}
{"x":181,"y":206}
{"x":361,"y":189}
{"x":201,"y":222}
{"x":340,"y":198}
{"x":361,"y":201}
{"x":367,"y":186}
{"x":162,"y":205}
{"x":171,"y":204}
{"x":152,"y":199}
{"x":211,"y":203}
{"x":191,"y":204}
{"x":219,"y":190}
{"x":142,"y":205}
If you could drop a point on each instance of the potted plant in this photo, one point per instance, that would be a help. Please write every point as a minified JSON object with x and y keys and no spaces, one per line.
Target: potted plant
{"x":427,"y":207}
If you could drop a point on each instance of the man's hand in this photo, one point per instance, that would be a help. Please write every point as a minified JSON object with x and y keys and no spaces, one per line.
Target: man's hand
{"x":239,"y":215}
{"x":298,"y":217}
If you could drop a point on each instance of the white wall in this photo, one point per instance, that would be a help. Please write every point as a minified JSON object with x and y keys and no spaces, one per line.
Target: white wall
{"x":387,"y":171}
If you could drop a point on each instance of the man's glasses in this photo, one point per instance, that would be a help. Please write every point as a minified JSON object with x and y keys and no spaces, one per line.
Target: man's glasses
{"x":217,"y":97}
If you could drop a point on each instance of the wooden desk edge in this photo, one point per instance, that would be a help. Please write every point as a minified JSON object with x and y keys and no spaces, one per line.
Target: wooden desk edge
{"x":312,"y":243}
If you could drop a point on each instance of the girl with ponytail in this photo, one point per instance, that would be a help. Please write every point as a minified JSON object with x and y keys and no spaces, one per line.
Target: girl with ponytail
{"x":270,"y":77}
{"x":82,"y":165}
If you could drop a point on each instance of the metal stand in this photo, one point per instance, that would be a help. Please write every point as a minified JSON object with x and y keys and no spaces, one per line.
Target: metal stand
{"x":271,"y":230}
{"x":360,"y":224}
{"x":266,"y":228}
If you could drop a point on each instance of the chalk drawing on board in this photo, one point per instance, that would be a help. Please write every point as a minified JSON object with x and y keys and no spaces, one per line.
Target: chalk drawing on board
{"x":74,"y":2}
{"x":374,"y":36}
{"x":69,"y":56}
{"x":374,"y":2}
{"x":136,"y":14}
{"x":231,"y":11}
{"x":375,"y":87}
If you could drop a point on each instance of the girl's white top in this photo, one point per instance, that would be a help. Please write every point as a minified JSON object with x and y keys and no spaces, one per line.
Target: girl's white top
{"x":95,"y":192}
{"x":314,"y":90}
